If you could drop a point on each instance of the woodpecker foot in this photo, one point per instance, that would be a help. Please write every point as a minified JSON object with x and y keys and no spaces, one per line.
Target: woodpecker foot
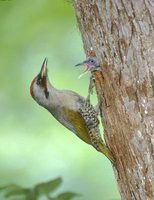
{"x":91,"y":87}
{"x":97,"y":108}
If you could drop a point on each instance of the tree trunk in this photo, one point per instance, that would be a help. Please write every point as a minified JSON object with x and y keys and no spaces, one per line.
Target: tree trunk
{"x":121,"y":33}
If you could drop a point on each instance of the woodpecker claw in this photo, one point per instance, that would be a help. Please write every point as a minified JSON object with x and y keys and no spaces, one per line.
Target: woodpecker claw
{"x":90,"y":89}
{"x":97,"y":108}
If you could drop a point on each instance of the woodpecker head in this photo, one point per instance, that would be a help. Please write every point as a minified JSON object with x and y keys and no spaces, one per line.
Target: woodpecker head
{"x":39,"y":85}
{"x":91,"y":64}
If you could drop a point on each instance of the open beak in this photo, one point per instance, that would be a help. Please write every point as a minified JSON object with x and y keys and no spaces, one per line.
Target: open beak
{"x":84,"y":63}
{"x":79,"y":64}
{"x":43,"y":72}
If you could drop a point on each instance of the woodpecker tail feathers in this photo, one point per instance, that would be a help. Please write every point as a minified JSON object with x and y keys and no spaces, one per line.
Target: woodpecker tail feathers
{"x":105,"y":150}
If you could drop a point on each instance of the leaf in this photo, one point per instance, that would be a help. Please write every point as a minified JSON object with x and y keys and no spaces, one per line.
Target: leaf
{"x":47,"y":187}
{"x":17,"y":192}
{"x":67,"y":196}
{"x":9,"y":186}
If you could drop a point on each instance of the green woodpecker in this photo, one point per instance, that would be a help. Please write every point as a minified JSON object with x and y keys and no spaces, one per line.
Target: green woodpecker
{"x":70,"y":109}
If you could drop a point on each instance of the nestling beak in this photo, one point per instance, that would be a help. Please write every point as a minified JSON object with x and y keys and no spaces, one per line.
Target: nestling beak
{"x":82,"y":63}
{"x":43,"y":72}
{"x":85,"y":64}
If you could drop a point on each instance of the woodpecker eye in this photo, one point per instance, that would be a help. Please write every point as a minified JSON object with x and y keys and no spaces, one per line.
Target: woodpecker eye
{"x":39,"y":81}
{"x":92,"y":61}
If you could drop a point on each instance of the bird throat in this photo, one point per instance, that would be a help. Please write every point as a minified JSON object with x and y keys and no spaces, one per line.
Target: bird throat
{"x":31,"y":88}
{"x":87,"y":69}
{"x":44,"y":85}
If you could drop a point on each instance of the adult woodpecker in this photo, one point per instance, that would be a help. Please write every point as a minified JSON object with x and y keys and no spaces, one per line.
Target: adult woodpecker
{"x":70,"y":109}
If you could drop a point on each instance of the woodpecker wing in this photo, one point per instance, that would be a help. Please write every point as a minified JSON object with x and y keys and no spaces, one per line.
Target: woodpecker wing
{"x":79,"y":125}
{"x":84,"y":120}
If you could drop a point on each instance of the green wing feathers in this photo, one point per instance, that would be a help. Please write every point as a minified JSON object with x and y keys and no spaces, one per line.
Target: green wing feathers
{"x":78,"y":122}
{"x":92,"y":136}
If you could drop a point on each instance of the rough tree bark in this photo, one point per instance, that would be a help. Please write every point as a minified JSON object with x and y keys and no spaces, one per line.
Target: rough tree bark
{"x":122,"y":35}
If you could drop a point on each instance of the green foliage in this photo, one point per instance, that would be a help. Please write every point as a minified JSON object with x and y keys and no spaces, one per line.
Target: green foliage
{"x":42,"y":189}
{"x":66,"y":196}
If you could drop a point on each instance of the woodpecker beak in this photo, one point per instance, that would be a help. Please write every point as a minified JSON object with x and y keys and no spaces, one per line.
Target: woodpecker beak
{"x":87,"y":68}
{"x":85,"y":64}
{"x":43,"y":72}
{"x":80,"y":64}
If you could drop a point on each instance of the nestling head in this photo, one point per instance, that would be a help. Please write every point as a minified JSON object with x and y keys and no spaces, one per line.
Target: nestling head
{"x":91,"y":64}
{"x":39,"y":85}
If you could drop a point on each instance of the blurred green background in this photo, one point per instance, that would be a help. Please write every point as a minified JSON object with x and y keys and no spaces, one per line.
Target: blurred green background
{"x":34,"y":147}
